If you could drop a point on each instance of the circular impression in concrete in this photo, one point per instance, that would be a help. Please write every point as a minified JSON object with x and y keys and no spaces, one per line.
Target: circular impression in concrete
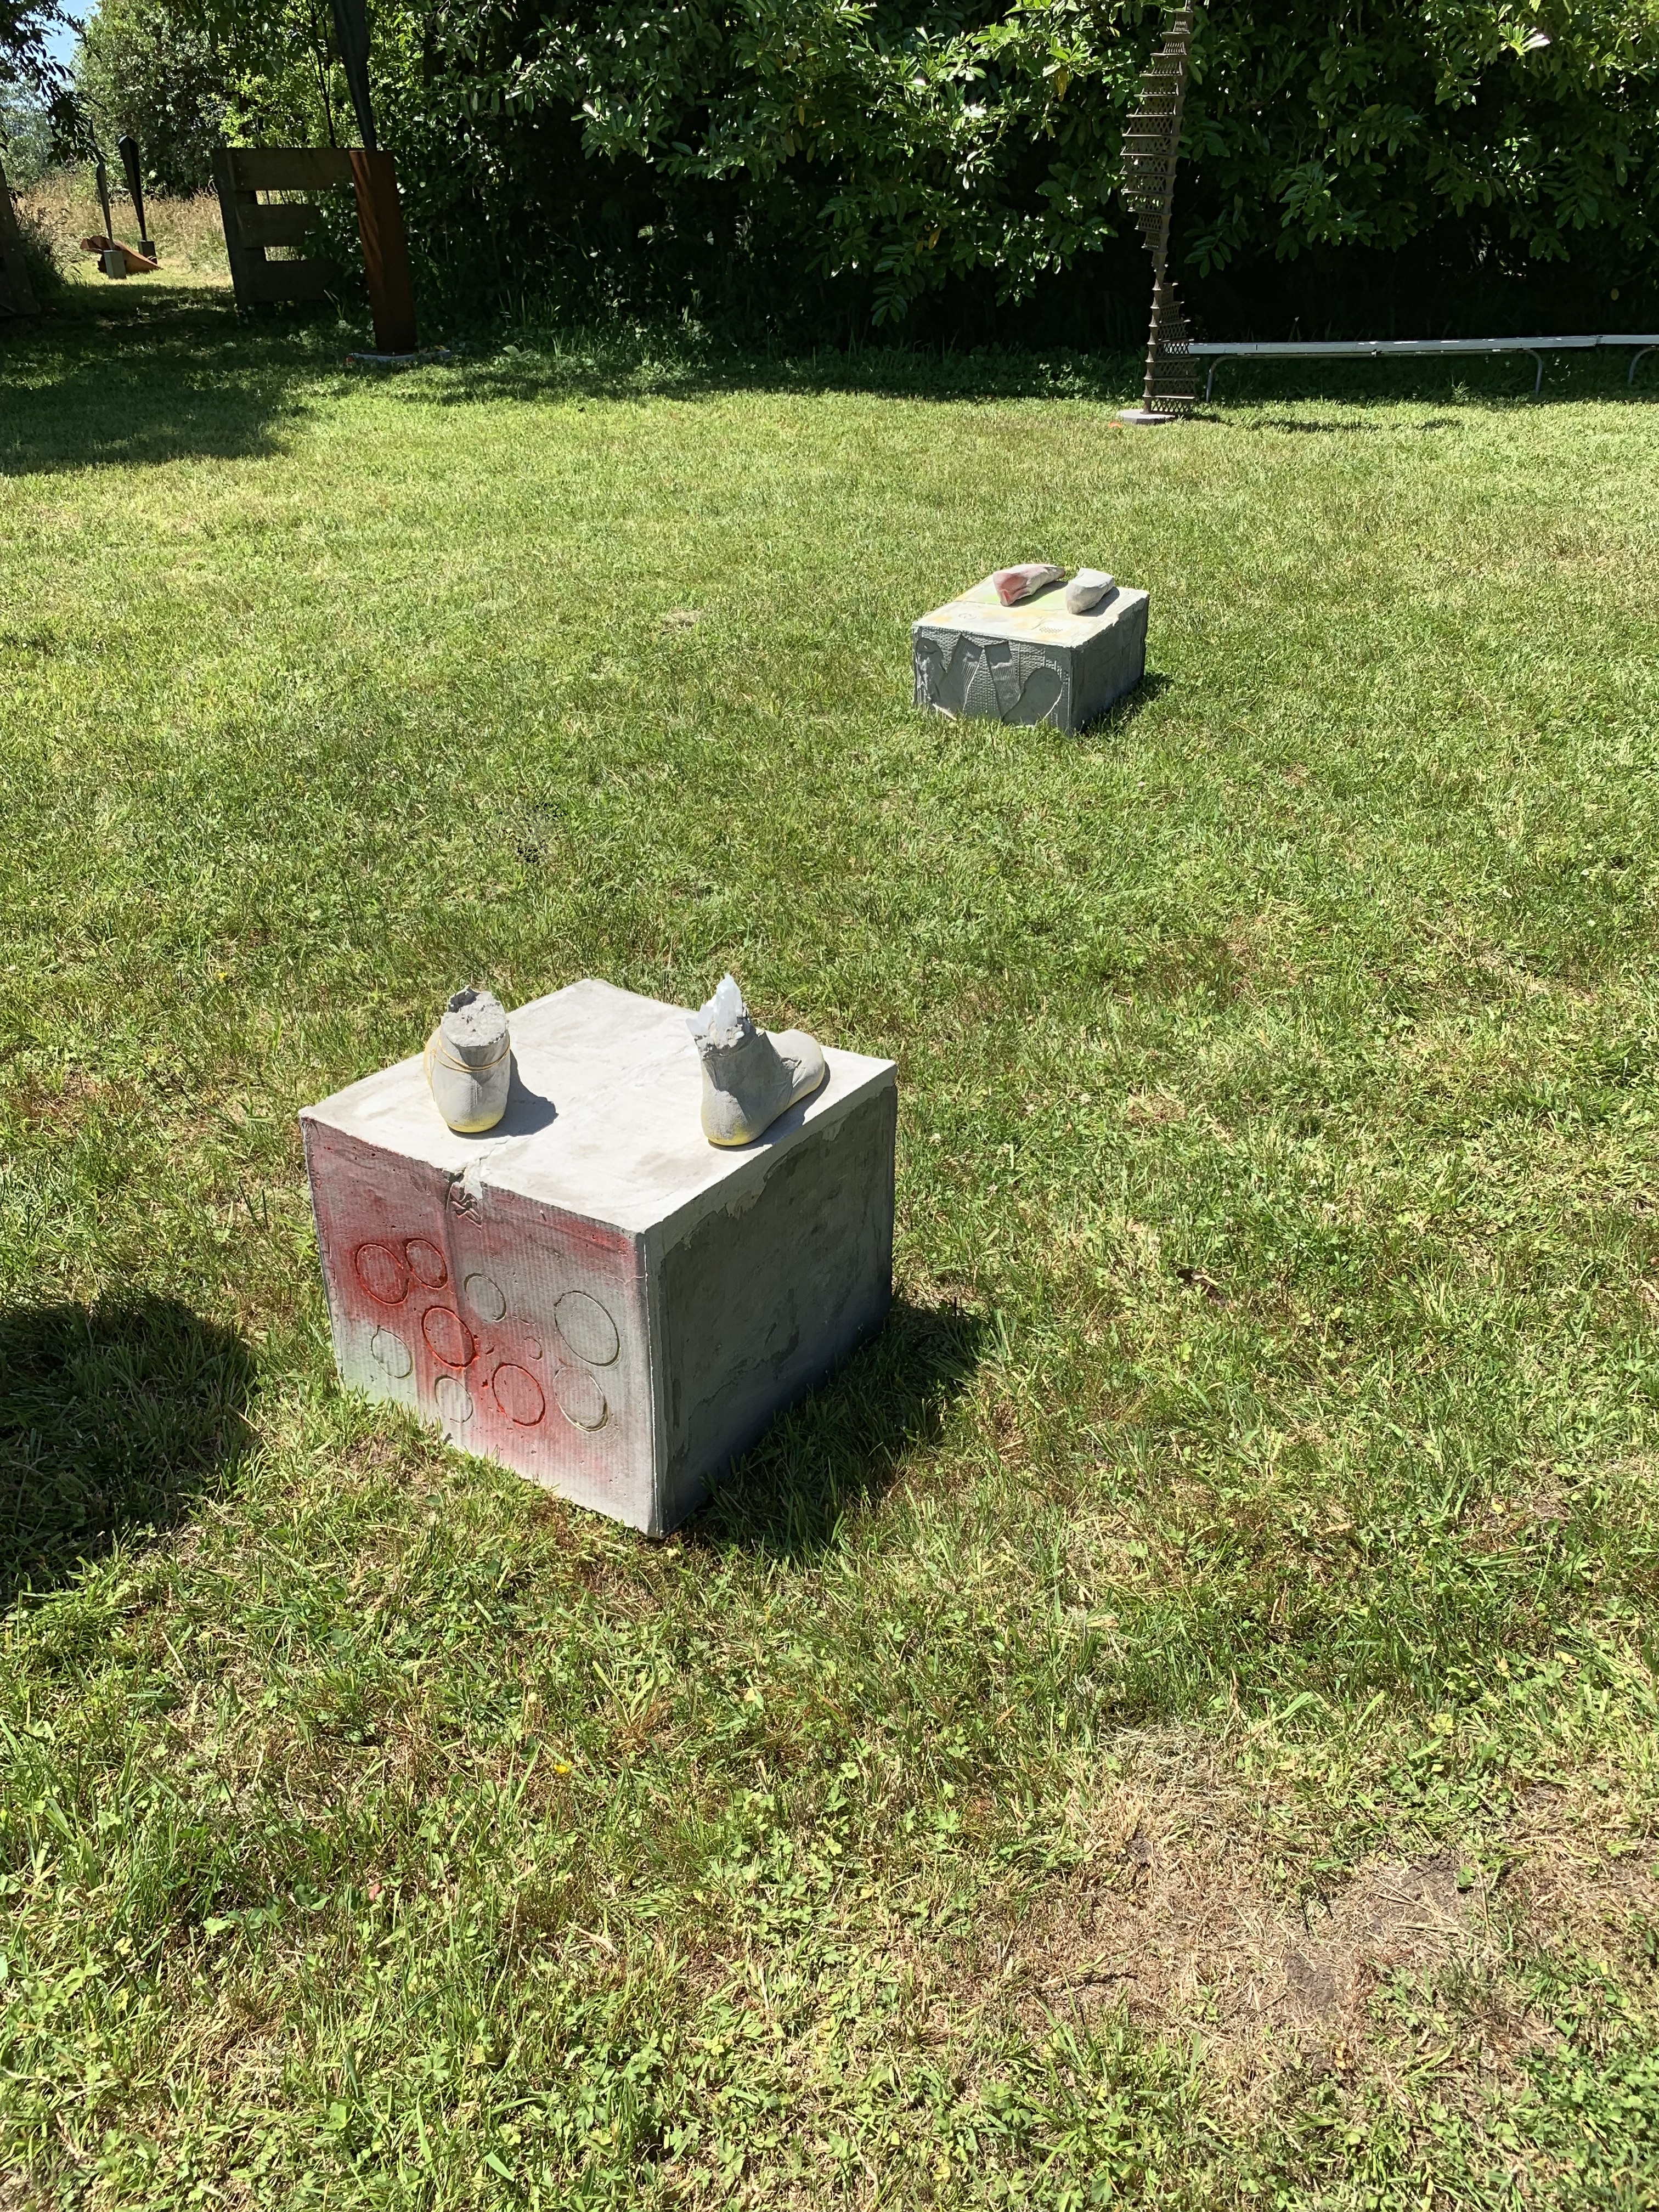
{"x":390,"y":1352}
{"x":588,"y":1329}
{"x":454,"y":1399}
{"x":450,"y":1338}
{"x":519,"y":1394}
{"x":426,"y":1263}
{"x":580,"y":1399}
{"x":382,"y":1273}
{"x":485,"y":1296}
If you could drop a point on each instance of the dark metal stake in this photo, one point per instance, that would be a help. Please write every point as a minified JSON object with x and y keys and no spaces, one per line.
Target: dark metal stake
{"x":127,"y":148}
{"x":102,"y":175}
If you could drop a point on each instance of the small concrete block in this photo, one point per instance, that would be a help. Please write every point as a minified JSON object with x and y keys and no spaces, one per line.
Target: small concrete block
{"x":1032,"y":663}
{"x":592,"y":1293}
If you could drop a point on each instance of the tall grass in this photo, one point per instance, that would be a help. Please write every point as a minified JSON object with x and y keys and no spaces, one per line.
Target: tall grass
{"x":63,"y":209}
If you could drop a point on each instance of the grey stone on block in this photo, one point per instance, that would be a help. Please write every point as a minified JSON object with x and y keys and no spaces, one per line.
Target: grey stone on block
{"x":1031,"y":663}
{"x":593,"y":1293}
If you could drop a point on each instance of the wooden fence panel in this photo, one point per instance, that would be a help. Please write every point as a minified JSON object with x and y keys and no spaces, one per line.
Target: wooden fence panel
{"x":286,"y":168}
{"x":275,"y":226}
{"x":242,"y":173}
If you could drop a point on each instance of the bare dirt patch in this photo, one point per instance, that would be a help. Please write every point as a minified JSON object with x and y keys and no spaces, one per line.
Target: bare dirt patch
{"x":1193,"y":1940}
{"x":1180,"y":1915}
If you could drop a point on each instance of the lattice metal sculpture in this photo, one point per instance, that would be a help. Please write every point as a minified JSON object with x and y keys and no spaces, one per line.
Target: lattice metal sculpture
{"x":1152,"y":145}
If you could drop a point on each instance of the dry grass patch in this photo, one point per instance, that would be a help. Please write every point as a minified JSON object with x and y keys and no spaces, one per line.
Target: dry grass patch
{"x":1185,"y":1913}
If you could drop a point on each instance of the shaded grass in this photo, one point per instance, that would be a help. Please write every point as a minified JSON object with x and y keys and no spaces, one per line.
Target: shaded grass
{"x":1266,"y":1434}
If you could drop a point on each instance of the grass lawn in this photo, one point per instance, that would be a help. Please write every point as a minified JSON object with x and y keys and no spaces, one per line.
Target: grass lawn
{"x":1174,"y":1722}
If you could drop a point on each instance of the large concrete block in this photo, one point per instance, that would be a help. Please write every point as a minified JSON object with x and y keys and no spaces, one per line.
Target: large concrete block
{"x":593,"y":1293}
{"x":1032,"y":663}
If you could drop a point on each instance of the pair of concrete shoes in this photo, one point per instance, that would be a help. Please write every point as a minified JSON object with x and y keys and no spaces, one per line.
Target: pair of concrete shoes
{"x":749,"y":1076}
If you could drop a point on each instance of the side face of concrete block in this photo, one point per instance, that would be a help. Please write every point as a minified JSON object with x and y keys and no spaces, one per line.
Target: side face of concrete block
{"x":759,"y":1302}
{"x":975,"y":659}
{"x":1112,"y":661}
{"x":520,"y":1332}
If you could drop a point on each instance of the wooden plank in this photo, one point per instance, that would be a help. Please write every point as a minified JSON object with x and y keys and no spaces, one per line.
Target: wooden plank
{"x":270,"y":280}
{"x":244,"y":261}
{"x":386,"y":251}
{"x":289,"y":168}
{"x":275,"y":226}
{"x":17,"y":293}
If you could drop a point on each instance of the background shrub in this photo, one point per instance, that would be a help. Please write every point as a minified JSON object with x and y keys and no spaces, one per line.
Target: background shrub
{"x":831,"y":168}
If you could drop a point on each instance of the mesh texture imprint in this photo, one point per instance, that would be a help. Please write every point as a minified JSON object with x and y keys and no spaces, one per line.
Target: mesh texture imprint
{"x":1152,"y":147}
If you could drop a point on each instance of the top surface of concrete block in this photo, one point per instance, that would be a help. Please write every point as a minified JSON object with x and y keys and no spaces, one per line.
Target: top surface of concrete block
{"x":1039,"y":621}
{"x":604,"y":1118}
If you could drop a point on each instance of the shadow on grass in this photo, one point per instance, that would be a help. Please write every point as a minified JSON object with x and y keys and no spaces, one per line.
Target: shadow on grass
{"x":1314,"y":428}
{"x":147,"y":372}
{"x":113,"y":1420}
{"x":842,"y":1448}
{"x":1490,"y":383}
{"x":623,"y":364}
{"x":628,"y":364}
{"x":1119,"y":715}
{"x":162,"y":373}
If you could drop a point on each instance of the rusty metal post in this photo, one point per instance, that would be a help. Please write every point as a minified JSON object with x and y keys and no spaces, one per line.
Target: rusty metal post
{"x":385,"y":250}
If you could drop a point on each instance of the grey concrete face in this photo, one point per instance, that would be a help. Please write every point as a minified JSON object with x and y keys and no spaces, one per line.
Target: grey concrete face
{"x":759,"y":1302}
{"x":593,"y":1293}
{"x":1037,"y":662}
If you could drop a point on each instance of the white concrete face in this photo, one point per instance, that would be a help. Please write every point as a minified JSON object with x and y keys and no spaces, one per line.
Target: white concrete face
{"x":593,"y":1293}
{"x":1032,"y":663}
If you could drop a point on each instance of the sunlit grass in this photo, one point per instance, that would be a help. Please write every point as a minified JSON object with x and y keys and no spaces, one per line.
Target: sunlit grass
{"x":1178,"y":1713}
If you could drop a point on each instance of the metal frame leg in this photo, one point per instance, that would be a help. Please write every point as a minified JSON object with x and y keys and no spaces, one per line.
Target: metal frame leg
{"x":1209,"y":381}
{"x":1538,"y":380}
{"x":1640,"y":354}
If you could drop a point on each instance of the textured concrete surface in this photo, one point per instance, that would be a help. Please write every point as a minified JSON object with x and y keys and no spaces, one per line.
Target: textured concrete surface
{"x":593,"y":1293}
{"x":1033,"y":663}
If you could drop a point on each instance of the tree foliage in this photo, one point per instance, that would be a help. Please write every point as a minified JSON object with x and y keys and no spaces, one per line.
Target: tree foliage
{"x":181,"y":79}
{"x":26,"y":61}
{"x":148,"y":72}
{"x":777,"y":154}
{"x":893,"y":147}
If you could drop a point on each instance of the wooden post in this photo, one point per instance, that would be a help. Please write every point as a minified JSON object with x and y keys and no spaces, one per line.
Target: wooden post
{"x":17,"y":293}
{"x":385,"y":250}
